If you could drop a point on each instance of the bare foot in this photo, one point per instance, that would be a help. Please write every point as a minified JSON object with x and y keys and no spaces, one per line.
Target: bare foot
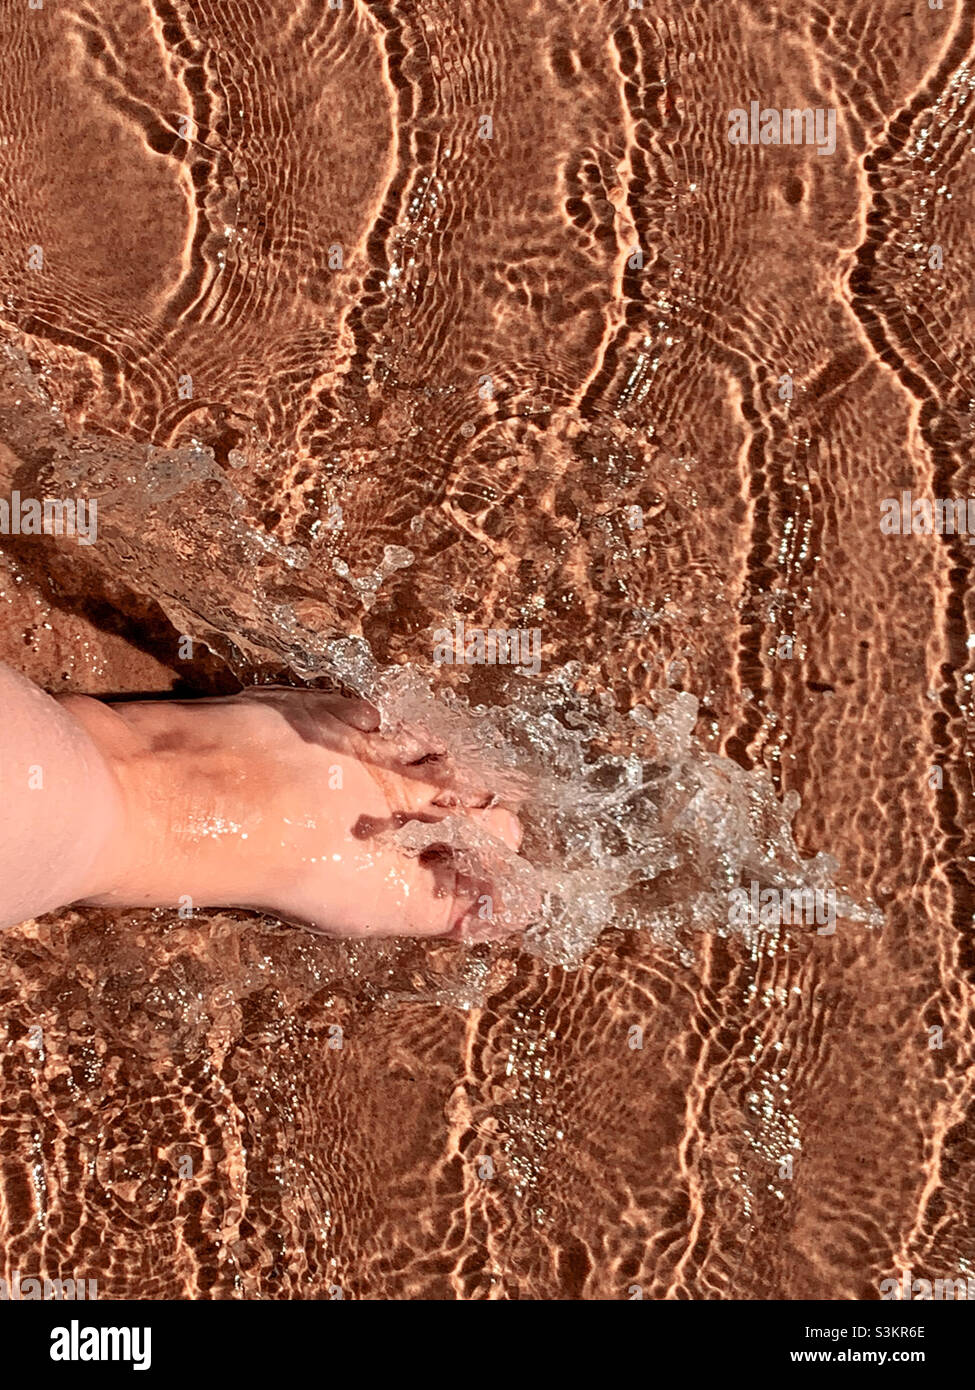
{"x":280,"y":800}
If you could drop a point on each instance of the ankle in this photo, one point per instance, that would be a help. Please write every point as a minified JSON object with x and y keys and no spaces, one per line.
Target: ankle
{"x":186,"y":806}
{"x":107,"y":811}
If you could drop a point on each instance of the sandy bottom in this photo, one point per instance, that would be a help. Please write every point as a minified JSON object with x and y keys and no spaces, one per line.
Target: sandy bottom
{"x":335,"y":361}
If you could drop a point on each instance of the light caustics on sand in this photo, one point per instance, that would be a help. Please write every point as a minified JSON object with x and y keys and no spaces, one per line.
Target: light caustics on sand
{"x":629,"y":821}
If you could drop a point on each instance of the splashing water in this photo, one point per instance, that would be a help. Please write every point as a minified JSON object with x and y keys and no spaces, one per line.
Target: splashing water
{"x":629,"y":822}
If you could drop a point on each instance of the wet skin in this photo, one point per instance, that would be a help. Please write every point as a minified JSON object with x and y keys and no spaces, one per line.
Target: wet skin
{"x":275,"y":800}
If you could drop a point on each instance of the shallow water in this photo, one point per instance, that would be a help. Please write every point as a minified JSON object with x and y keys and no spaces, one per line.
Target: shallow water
{"x":430,"y":379}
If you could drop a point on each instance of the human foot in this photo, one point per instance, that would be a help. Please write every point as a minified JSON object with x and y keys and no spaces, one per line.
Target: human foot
{"x":283,"y":801}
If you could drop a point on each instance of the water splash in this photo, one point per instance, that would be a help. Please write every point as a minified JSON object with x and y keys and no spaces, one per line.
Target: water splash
{"x":629,"y":822}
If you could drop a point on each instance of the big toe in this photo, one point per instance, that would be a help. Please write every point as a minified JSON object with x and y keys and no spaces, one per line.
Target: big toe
{"x":501,"y":823}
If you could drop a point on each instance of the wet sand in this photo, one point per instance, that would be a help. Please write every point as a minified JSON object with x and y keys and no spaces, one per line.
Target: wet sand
{"x":202,"y":250}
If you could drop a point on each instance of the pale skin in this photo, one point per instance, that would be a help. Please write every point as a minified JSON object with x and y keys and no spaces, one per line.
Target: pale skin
{"x":271,"y":800}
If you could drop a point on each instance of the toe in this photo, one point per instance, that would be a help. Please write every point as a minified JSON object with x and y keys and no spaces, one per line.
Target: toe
{"x":501,"y":823}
